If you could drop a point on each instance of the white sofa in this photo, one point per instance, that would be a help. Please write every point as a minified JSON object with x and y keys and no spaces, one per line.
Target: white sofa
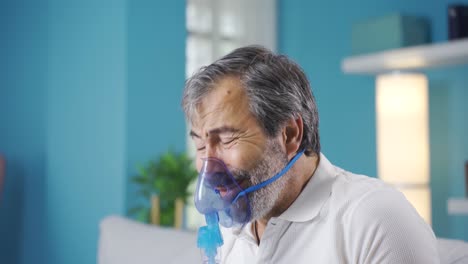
{"x":452,"y":251}
{"x":123,"y":241}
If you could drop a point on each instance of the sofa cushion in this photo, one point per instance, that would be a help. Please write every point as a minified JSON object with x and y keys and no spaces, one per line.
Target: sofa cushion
{"x":452,"y":251}
{"x":124,"y":241}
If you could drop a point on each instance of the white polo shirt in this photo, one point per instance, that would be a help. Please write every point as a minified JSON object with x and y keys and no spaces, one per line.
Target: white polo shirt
{"x":339,"y":217}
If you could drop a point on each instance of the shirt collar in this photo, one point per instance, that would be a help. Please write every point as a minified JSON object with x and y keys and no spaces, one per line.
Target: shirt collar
{"x":314,"y":195}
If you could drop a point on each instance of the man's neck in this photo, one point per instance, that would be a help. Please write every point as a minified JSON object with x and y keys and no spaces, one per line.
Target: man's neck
{"x":304,"y":169}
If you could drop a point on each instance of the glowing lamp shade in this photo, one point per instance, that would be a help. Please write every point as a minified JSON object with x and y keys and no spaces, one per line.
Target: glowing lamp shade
{"x":403,"y":137}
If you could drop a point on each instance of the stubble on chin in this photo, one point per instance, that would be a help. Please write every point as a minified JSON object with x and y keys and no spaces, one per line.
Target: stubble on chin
{"x":265,"y":202}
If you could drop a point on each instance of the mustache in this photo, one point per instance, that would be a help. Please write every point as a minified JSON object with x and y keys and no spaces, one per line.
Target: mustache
{"x":240,"y":175}
{"x":223,"y":179}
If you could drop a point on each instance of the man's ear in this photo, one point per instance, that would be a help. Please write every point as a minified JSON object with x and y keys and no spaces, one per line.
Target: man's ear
{"x":292,"y":135}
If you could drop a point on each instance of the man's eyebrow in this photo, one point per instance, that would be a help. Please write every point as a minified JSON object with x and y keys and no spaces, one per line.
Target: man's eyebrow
{"x":219,"y":130}
{"x":223,"y":129}
{"x":193,"y":134}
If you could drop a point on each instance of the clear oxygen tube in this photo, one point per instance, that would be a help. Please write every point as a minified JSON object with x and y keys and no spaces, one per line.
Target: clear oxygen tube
{"x":210,"y":240}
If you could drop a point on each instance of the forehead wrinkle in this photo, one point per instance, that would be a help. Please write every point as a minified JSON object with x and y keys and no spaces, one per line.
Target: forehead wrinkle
{"x":204,"y":117}
{"x":227,"y":101}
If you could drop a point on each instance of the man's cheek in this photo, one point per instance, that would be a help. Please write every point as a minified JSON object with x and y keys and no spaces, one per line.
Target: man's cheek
{"x":245,"y":159}
{"x":199,"y":164}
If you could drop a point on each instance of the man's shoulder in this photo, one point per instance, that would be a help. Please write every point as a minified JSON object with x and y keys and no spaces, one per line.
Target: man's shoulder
{"x":347,"y":188}
{"x":359,"y":196}
{"x":370,"y":215}
{"x":350,"y":188}
{"x":361,"y":202}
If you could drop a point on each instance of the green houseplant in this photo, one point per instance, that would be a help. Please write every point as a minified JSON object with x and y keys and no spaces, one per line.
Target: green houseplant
{"x":167,"y":177}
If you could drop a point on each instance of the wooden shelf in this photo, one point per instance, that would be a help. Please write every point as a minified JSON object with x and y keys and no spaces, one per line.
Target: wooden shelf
{"x":417,"y":57}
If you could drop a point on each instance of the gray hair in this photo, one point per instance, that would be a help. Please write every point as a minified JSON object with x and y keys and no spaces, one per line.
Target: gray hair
{"x":277,"y":89}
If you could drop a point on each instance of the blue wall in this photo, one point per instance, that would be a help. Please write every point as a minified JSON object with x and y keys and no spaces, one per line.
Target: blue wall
{"x":23,"y":130}
{"x":449,"y":146}
{"x":86,"y":118}
{"x":88,"y":90}
{"x":317,"y":34}
{"x":156,"y":74}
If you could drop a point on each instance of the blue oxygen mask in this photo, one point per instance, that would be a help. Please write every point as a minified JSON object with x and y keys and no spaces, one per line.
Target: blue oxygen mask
{"x":222,"y":200}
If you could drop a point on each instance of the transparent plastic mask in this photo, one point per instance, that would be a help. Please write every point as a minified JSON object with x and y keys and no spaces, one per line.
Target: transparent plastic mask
{"x":218,"y":192}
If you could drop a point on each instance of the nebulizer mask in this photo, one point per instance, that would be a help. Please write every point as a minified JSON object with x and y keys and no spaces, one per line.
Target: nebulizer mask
{"x":223,"y":201}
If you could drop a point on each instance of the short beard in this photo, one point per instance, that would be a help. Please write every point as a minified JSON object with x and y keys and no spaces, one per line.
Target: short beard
{"x":264,"y":200}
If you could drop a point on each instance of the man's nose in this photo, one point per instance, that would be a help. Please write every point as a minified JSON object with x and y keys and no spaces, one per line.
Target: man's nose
{"x":211,"y":151}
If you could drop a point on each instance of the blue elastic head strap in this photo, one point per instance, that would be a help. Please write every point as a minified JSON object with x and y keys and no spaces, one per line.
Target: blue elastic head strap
{"x":272,"y":179}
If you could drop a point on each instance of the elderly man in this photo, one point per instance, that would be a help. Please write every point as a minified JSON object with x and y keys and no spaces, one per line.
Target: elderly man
{"x":254,"y":111}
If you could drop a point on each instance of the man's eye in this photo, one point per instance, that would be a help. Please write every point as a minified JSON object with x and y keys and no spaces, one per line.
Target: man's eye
{"x":200,"y":148}
{"x":228,"y":141}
